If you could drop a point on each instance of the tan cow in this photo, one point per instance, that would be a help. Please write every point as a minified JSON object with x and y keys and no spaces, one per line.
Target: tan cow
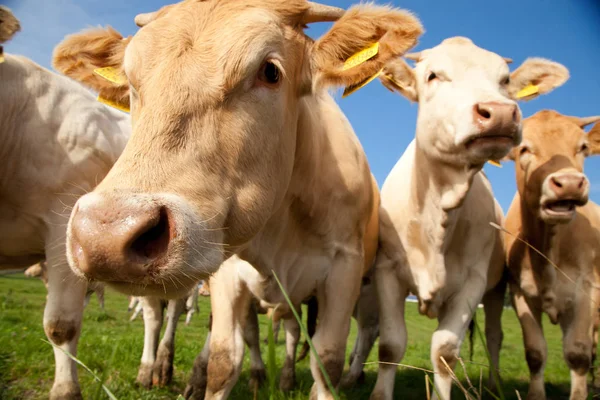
{"x":237,"y":148}
{"x":57,"y":142}
{"x":9,"y":25}
{"x":551,"y":212}
{"x":436,"y":204}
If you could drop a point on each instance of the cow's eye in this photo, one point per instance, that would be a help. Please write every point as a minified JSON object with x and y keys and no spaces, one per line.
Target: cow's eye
{"x":524,"y":150}
{"x":431,"y":76}
{"x":584,"y":148}
{"x":269,"y":73}
{"x":506,"y":80}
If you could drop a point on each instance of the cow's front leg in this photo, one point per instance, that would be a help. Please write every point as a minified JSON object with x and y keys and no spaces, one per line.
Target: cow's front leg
{"x":252,"y":338}
{"x":62,"y":322}
{"x":153,"y":319}
{"x":162,"y":371}
{"x":337,"y":297}
{"x":530,"y":318}
{"x":287,"y":381}
{"x":196,"y":387}
{"x":391,"y":296}
{"x":454,"y":319}
{"x":230,"y":301}
{"x":577,"y":324}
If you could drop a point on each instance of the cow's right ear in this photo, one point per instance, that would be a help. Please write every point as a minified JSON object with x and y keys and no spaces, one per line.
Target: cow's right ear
{"x":593,"y":137}
{"x":399,"y":77}
{"x":78,"y":55}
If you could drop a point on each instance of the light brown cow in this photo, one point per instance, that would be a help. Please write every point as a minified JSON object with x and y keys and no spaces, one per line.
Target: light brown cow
{"x":551,"y":212}
{"x":436,"y":204}
{"x":9,"y":25}
{"x":237,"y":148}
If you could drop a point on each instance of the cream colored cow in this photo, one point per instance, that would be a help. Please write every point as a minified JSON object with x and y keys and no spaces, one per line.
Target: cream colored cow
{"x":436,"y":206}
{"x":57,"y":142}
{"x":237,"y":148}
{"x":551,"y":212}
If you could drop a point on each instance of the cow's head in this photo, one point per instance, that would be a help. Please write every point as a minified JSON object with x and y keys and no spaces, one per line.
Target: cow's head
{"x":216,"y":88}
{"x":467,"y":99}
{"x":549,"y":164}
{"x":9,"y":25}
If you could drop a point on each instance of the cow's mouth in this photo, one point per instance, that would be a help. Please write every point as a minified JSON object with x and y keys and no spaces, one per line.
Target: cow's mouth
{"x":483,"y":141}
{"x":560,"y":208}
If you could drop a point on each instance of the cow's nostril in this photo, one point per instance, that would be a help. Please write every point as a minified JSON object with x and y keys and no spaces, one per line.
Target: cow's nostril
{"x":482,"y":111}
{"x":556,"y":182}
{"x":154,"y":241}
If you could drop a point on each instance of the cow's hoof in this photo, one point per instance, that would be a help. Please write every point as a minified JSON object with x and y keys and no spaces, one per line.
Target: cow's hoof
{"x":162,"y":371}
{"x":287,"y":381}
{"x":348,"y":381}
{"x":257,"y":377}
{"x":144,"y":378}
{"x":65,"y":391}
{"x":193,"y":392}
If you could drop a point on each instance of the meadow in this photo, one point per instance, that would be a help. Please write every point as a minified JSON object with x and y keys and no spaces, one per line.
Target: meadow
{"x":111,"y":346}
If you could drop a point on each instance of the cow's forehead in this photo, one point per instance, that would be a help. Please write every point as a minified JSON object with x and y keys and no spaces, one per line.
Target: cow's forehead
{"x":460,"y":54}
{"x":549,"y":130}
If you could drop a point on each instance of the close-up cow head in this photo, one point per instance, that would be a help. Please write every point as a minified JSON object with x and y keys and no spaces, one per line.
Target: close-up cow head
{"x":216,"y":91}
{"x":467,"y":98}
{"x":549,"y":164}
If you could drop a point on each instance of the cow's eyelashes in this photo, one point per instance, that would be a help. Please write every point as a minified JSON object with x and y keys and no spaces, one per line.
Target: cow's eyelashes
{"x":269,"y":73}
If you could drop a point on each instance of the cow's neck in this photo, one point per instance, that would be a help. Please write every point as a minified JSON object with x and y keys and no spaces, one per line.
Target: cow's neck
{"x":437,"y":192}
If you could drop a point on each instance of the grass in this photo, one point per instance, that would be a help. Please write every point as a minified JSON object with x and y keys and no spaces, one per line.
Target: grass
{"x":27,"y":364}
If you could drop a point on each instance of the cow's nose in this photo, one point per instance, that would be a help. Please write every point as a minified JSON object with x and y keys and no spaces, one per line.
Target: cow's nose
{"x":492,"y":116}
{"x":571,"y":185}
{"x":117,"y":241}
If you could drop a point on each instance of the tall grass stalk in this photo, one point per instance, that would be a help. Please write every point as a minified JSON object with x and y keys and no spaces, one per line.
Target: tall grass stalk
{"x":308,"y":339}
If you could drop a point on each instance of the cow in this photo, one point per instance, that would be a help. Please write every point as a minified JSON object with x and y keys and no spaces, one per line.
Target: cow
{"x":9,"y":25}
{"x":57,"y":143}
{"x":551,"y":212}
{"x":40,"y":270}
{"x":237,"y":148}
{"x":436,"y":204}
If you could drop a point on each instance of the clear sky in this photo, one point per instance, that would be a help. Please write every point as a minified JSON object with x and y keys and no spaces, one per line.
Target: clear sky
{"x":567,"y":31}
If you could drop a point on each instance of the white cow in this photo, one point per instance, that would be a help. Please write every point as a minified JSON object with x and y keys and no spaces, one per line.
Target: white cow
{"x":56,"y":142}
{"x":436,"y":204}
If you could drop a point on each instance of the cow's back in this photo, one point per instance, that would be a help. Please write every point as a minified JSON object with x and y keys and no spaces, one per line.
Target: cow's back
{"x":57,"y":142}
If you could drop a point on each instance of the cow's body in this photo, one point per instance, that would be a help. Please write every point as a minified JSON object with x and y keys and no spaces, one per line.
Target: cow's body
{"x":57,"y":143}
{"x":261,"y":163}
{"x":436,"y":240}
{"x":546,"y":218}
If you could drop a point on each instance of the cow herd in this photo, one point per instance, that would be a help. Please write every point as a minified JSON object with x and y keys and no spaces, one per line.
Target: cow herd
{"x":236,"y":165}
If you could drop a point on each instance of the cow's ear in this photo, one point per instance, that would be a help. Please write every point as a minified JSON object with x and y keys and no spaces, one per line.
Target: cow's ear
{"x":397,"y":76}
{"x":361,"y":43}
{"x":594,"y":139}
{"x":536,"y":76}
{"x":81,"y":55}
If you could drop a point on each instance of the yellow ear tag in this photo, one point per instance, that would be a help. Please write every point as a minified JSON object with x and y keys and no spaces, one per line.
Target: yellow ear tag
{"x":495,"y":163}
{"x":114,"y":104}
{"x":527,"y":91}
{"x":361,"y":56}
{"x":353,"y":88}
{"x":111,"y":74}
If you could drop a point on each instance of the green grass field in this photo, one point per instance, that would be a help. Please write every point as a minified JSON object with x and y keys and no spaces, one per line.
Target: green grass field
{"x":111,"y":346}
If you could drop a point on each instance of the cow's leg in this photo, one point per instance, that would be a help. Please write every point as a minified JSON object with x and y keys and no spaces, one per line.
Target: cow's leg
{"x":530,"y":318}
{"x":367,"y":318}
{"x":252,"y":339}
{"x":139,"y":309}
{"x":287,"y":381}
{"x":62,"y":320}
{"x":337,"y":297}
{"x":577,"y":324}
{"x":454,"y":319}
{"x":230,"y":301}
{"x":391,"y":295}
{"x":162,"y":371}
{"x":192,"y":305}
{"x":153,"y":319}
{"x":100,"y":296}
{"x":312,"y":311}
{"x":493,"y":305}
{"x":196,"y":387}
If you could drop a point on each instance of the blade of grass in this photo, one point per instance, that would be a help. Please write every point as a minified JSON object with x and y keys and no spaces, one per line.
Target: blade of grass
{"x":434,"y":387}
{"x":105,"y":372}
{"x":308,"y":339}
{"x":271,"y":364}
{"x":495,"y":373}
{"x":427,"y":388}
{"x":110,"y":395}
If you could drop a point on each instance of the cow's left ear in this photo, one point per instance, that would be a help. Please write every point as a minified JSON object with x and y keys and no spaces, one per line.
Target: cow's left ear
{"x":594,"y":139}
{"x":360,"y":44}
{"x":536,"y":76}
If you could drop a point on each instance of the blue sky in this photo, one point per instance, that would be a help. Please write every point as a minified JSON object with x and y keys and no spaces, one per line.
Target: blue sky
{"x":567,"y":31}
